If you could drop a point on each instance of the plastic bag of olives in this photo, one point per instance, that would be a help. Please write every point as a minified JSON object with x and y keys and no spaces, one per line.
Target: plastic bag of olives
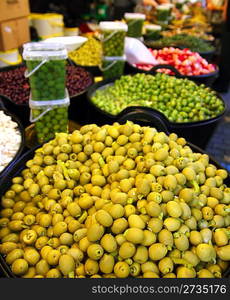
{"x":113,"y":66}
{"x":113,"y":38}
{"x":135,"y":23}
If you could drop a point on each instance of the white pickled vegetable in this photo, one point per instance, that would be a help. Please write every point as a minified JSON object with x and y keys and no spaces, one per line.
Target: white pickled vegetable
{"x":10,"y":140}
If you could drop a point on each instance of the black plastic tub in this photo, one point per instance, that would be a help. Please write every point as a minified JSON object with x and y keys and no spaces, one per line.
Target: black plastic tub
{"x":76,"y":109}
{"x":18,"y":166}
{"x":207,"y":79}
{"x":22,"y":132}
{"x":197,"y":133}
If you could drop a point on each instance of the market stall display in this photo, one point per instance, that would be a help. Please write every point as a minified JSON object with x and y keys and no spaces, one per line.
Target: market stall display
{"x":139,"y":204}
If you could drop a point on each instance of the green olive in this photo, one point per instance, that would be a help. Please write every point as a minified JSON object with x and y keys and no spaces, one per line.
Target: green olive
{"x":91,"y":267}
{"x":121,"y":269}
{"x":149,"y":266}
{"x":172,"y":224}
{"x":119,"y":225}
{"x":157,"y":251}
{"x":19,"y":267}
{"x":134,"y":235}
{"x":184,"y":272}
{"x":13,"y":255}
{"x":206,"y":252}
{"x":135,"y":221}
{"x":141,"y":255}
{"x":165,"y":265}
{"x":174,"y":209}
{"x":204,"y":273}
{"x":104,"y":218}
{"x":31,"y":256}
{"x":165,"y":237}
{"x":149,"y":238}
{"x":127,"y":250}
{"x":223,"y":252}
{"x":76,"y":253}
{"x":95,"y":232}
{"x":108,"y":242}
{"x":95,"y":251}
{"x":106,"y":263}
{"x":53,"y":273}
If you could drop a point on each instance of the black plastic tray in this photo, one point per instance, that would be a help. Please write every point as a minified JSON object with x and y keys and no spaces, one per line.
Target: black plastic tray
{"x":197,"y":133}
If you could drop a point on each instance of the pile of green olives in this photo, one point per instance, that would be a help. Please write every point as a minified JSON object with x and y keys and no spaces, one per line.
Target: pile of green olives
{"x":117,"y":201}
{"x":180,"y":100}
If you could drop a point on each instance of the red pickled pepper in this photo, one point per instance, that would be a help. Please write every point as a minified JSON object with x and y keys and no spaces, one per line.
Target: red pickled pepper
{"x":185,"y":61}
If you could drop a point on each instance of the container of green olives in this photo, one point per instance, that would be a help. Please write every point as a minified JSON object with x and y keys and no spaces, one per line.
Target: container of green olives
{"x":113,"y":67}
{"x":152,"y":31}
{"x":115,"y":201}
{"x":164,"y":13}
{"x":49,"y":100}
{"x":192,"y":111}
{"x":135,"y":23}
{"x":113,"y":38}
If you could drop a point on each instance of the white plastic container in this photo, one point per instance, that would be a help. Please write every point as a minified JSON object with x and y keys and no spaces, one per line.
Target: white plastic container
{"x":10,"y":58}
{"x":135,"y":23}
{"x":71,"y":31}
{"x":70,"y":42}
{"x":113,"y":38}
{"x":48,"y":25}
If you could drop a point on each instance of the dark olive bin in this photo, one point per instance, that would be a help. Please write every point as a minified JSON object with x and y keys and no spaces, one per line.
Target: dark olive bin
{"x":18,"y":166}
{"x":197,"y":133}
{"x":207,"y":79}
{"x":22,"y":132}
{"x":77,"y":109}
